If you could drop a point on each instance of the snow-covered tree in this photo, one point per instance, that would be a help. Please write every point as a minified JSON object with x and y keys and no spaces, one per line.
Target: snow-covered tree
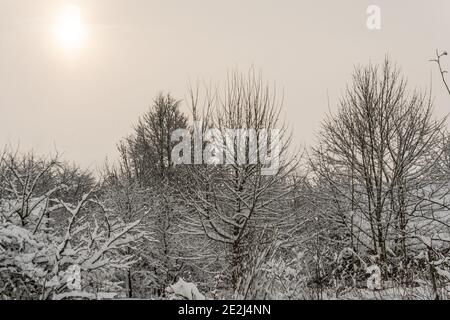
{"x":146,"y":166}
{"x":234,"y":202}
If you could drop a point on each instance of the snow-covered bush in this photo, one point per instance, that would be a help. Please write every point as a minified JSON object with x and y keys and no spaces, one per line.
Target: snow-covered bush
{"x":42,"y":236}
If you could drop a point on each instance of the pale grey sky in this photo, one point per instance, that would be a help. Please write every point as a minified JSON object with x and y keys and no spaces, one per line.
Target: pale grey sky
{"x":84,"y":102}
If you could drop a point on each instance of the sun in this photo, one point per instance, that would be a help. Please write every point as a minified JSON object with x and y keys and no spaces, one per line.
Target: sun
{"x":70,"y":30}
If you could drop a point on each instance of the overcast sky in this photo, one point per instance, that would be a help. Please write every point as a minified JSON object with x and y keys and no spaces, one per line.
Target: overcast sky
{"x":84,"y":101}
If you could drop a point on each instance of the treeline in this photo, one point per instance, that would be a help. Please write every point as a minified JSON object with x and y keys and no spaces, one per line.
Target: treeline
{"x":372,"y":194}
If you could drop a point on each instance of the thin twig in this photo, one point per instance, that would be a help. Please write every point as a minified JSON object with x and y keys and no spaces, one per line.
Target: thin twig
{"x":441,"y":70}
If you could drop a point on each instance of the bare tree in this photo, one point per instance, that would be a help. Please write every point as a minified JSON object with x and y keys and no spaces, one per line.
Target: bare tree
{"x":373,"y":154}
{"x":233,"y":203}
{"x":146,"y":154}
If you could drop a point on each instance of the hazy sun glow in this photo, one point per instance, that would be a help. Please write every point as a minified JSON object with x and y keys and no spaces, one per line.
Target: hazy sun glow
{"x":70,"y":29}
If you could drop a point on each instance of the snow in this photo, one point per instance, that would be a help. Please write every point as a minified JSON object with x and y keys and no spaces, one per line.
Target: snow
{"x":443,"y":273}
{"x":185,"y":289}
